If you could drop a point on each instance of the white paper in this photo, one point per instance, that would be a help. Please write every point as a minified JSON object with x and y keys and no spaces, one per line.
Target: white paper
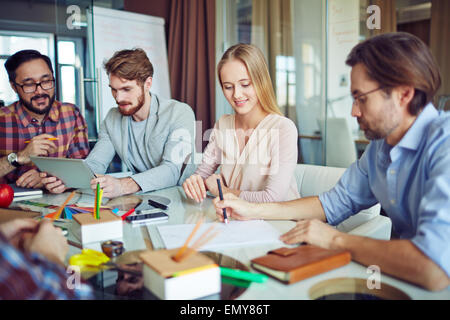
{"x":233,"y":234}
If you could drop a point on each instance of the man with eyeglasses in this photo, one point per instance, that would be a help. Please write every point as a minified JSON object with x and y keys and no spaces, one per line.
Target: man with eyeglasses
{"x":406,"y":168}
{"x":36,"y":124}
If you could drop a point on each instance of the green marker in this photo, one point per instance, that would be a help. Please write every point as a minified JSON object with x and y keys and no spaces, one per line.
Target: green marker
{"x":244,"y":275}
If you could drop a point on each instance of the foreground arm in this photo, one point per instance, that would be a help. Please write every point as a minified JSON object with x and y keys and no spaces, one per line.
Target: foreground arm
{"x":400,"y":258}
{"x":36,"y":272}
{"x":304,"y":208}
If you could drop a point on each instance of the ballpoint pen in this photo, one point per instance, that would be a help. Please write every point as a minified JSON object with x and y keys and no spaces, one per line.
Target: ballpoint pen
{"x":224,"y":210}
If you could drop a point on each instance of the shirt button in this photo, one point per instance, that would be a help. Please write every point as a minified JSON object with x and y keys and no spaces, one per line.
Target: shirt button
{"x":393,"y":201}
{"x":392,"y":172}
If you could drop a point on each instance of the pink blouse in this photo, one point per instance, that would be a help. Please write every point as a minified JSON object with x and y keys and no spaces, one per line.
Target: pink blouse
{"x":264,"y":171}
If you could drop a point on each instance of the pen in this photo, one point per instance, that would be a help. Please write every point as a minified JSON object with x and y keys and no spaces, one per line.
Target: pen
{"x":50,"y":139}
{"x":243,"y":275}
{"x":157,"y":204}
{"x":224,"y":210}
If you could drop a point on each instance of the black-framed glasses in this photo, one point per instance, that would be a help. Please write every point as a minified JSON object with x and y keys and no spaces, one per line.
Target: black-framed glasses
{"x":357,"y":99}
{"x":31,"y":87}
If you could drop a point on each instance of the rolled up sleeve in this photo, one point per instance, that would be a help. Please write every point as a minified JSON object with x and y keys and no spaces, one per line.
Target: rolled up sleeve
{"x":351,"y":194}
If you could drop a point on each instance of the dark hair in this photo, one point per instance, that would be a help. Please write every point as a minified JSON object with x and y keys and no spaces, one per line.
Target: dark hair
{"x":130,"y":64}
{"x":395,"y":59}
{"x":23,"y":56}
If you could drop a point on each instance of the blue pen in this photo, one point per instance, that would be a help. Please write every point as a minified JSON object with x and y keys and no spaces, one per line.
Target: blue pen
{"x":224,"y":210}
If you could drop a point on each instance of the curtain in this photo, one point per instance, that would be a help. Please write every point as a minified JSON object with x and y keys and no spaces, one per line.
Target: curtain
{"x":439,"y":41}
{"x":192,"y":58}
{"x":272,"y":32}
{"x":190,"y":36}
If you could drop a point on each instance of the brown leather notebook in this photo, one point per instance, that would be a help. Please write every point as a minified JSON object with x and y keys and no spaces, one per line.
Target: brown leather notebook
{"x":291,"y":265}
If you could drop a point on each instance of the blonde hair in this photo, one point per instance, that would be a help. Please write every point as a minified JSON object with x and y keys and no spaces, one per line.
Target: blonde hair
{"x":253,"y":59}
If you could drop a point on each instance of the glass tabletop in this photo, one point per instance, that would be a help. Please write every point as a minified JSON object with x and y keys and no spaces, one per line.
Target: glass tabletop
{"x":128,"y":283}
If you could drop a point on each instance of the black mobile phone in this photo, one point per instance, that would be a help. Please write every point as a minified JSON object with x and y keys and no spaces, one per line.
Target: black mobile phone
{"x":148,"y":217}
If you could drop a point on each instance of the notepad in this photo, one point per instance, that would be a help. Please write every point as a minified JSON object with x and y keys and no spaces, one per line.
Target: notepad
{"x":233,"y":234}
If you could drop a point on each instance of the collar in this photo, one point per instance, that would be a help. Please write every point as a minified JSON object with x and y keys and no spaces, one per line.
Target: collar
{"x":415,"y":134}
{"x":26,"y":119}
{"x":154,"y":104}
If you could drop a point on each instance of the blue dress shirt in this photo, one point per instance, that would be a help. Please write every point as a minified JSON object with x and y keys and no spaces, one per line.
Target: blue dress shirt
{"x":411,"y":181}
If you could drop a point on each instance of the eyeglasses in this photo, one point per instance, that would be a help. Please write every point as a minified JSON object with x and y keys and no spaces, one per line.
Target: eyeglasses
{"x":31,"y":87}
{"x":357,"y":99}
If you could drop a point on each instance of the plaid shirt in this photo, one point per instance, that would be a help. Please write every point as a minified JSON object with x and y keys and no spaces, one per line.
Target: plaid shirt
{"x":32,"y":277}
{"x":64,"y":121}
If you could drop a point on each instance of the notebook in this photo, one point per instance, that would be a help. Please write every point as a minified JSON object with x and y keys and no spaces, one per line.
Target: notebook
{"x":233,"y":234}
{"x":291,"y":265}
{"x":25,"y":193}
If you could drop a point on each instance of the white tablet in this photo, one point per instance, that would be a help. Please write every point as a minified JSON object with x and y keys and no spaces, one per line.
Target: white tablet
{"x":74,"y":173}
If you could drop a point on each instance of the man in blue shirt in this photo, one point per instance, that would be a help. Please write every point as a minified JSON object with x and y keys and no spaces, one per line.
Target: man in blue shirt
{"x":406,"y":168}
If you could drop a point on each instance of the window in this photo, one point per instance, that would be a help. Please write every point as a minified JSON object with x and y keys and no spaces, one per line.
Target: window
{"x":10,"y":43}
{"x":68,"y":64}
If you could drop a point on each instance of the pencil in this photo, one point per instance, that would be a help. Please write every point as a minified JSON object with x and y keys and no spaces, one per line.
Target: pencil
{"x":49,"y":139}
{"x":224,"y":210}
{"x":100,"y":202}
{"x":97,"y":204}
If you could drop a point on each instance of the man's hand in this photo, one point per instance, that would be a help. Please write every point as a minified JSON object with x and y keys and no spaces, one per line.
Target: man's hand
{"x":314,"y":232}
{"x":13,"y":230}
{"x":237,"y":208}
{"x":52,"y":184}
{"x":48,"y":241}
{"x":113,"y":187}
{"x":30,"y":179}
{"x":38,"y":146}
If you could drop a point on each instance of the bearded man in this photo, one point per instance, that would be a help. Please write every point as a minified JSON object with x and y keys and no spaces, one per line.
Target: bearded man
{"x":153,"y":136}
{"x":36,"y":124}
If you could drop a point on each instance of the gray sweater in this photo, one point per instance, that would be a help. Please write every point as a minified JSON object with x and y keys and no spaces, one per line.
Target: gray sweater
{"x":169,"y":140}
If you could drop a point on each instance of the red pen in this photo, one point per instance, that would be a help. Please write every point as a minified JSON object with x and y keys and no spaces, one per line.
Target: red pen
{"x":127,"y":214}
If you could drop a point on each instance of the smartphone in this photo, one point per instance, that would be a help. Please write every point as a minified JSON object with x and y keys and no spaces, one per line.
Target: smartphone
{"x":147,"y":218}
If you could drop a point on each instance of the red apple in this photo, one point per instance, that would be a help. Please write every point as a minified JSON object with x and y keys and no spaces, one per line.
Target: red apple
{"x":6,"y":195}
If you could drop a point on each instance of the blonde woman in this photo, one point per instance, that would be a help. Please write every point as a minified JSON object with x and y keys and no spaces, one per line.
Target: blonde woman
{"x":256,"y":148}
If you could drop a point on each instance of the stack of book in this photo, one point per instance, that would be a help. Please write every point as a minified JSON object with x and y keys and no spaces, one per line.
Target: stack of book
{"x":25,"y":193}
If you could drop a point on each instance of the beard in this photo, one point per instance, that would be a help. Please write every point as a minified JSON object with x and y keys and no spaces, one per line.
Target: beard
{"x":383,"y":125}
{"x":135,"y":108}
{"x":369,"y":133}
{"x":29,"y":105}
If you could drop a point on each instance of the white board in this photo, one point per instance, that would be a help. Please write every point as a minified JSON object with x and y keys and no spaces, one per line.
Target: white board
{"x":343,"y":30}
{"x":115,"y":30}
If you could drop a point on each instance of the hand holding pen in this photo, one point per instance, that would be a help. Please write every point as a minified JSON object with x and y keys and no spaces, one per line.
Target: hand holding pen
{"x":41,"y":145}
{"x":236,"y":208}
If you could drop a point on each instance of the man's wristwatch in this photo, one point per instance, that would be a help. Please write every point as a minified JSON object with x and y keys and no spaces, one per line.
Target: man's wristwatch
{"x":12,"y":159}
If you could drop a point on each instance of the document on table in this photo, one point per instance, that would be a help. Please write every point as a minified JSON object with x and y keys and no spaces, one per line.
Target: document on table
{"x":233,"y":234}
